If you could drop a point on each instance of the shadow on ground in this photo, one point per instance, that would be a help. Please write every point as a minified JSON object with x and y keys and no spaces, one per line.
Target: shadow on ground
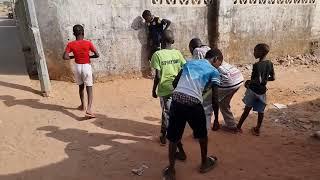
{"x":11,"y":101}
{"x":113,"y":154}
{"x":302,"y":117}
{"x":124,"y":125}
{"x":20,"y":87}
{"x":90,"y":156}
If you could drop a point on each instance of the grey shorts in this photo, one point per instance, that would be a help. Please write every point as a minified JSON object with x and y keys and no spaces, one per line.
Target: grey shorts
{"x":256,"y":101}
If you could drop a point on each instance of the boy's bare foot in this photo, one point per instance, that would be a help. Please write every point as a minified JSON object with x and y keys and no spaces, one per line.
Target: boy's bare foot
{"x":239,"y":130}
{"x":233,"y":130}
{"x":169,"y":174}
{"x":216,"y":127}
{"x":163,"y":140}
{"x":90,"y":115}
{"x":255,"y":131}
{"x":209,"y":165}
{"x":81,"y":108}
{"x":181,"y":156}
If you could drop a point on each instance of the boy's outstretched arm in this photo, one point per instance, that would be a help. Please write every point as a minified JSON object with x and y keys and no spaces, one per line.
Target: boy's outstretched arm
{"x":167,"y":23}
{"x":155,"y":84}
{"x":272,"y":74}
{"x":215,"y":102}
{"x":176,"y":79}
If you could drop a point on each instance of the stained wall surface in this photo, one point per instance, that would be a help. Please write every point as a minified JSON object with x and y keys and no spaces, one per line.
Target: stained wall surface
{"x":288,"y":26}
{"x":116,"y":27}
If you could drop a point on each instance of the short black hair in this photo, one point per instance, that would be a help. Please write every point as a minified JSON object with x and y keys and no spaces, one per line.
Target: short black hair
{"x":263,"y":48}
{"x":214,"y":53}
{"x":78,"y":30}
{"x":195,"y":43}
{"x":146,"y":13}
{"x":168,"y":37}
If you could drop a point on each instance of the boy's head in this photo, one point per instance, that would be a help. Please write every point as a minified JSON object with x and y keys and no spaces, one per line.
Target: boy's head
{"x":78,"y":30}
{"x":147,"y":16}
{"x":261,"y":51}
{"x":194,"y":43}
{"x":215,"y":57}
{"x":168,"y":37}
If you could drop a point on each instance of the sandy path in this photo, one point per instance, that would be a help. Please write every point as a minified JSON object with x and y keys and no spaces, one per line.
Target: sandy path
{"x":45,"y":139}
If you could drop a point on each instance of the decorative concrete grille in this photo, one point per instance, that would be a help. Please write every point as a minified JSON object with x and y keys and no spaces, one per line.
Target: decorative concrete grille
{"x":182,"y":2}
{"x":243,"y":2}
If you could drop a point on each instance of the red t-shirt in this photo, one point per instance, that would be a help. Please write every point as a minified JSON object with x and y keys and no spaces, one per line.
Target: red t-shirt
{"x":81,"y":50}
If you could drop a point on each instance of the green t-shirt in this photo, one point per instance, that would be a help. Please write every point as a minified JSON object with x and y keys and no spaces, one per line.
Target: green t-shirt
{"x":169,"y":62}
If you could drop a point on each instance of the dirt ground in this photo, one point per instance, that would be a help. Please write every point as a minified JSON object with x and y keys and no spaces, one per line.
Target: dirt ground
{"x":48,"y":139}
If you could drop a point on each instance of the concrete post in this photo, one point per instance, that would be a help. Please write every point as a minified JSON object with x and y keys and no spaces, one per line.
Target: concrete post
{"x":37,"y":47}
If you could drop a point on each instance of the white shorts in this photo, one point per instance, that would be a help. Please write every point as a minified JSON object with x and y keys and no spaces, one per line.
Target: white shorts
{"x":83,"y":74}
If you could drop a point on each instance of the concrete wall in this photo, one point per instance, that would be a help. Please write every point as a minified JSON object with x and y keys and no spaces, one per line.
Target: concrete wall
{"x":288,"y":26}
{"x":116,"y":28}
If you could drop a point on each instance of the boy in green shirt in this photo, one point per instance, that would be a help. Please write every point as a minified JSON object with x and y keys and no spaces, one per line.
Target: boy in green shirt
{"x":167,"y":62}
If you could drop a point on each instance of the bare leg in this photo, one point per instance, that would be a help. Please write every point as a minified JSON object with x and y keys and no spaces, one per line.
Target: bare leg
{"x":260,"y":119}
{"x":244,"y":116}
{"x":204,"y":150}
{"x":90,"y":98}
{"x":207,"y":163}
{"x":180,"y":154}
{"x":169,"y":172}
{"x":172,"y":152}
{"x":81,"y":94}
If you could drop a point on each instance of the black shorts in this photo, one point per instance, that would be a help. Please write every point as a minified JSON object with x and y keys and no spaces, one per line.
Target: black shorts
{"x":180,"y":114}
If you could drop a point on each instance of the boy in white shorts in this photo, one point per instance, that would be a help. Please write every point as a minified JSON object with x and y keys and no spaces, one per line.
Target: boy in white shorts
{"x":83,"y":72}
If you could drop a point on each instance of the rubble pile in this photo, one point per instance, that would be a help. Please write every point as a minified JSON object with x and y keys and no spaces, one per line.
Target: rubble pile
{"x":306,"y":60}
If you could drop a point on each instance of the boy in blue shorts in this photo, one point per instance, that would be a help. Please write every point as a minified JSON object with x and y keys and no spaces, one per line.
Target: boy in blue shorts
{"x":255,"y":96}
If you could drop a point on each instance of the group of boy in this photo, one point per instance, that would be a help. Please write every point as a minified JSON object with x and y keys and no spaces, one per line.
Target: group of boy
{"x":189,"y":91}
{"x":192,"y":91}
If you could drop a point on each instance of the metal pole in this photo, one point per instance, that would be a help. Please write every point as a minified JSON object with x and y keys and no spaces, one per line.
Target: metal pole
{"x":37,"y":47}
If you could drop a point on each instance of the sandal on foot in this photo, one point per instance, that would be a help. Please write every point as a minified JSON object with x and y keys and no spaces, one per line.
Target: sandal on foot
{"x":180,"y":156}
{"x":255,"y":132}
{"x":168,"y":175}
{"x":210,"y":164}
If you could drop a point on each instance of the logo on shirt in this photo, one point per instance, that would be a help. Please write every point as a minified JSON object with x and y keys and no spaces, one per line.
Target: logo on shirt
{"x":164,"y":63}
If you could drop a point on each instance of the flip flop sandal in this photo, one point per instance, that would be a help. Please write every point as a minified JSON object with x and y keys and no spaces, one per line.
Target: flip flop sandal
{"x":254,"y":132}
{"x":211,"y":163}
{"x":166,"y":175}
{"x":180,"y":156}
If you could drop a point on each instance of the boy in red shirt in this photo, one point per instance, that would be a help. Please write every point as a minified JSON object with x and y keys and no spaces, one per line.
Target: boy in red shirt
{"x":83,"y":72}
